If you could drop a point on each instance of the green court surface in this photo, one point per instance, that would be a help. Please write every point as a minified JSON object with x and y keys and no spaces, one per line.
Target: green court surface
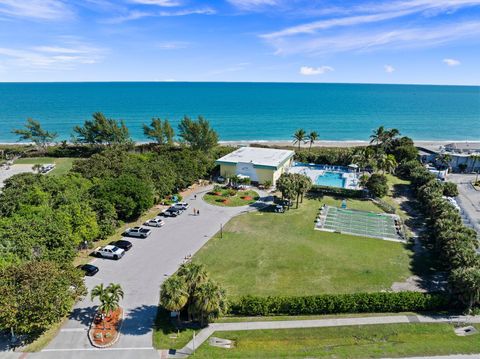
{"x":361,"y":223}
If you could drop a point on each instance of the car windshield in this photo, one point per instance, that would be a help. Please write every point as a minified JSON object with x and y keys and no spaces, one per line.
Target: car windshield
{"x":115,"y":248}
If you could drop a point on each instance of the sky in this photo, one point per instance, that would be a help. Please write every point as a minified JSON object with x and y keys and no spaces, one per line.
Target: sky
{"x":373,"y":41}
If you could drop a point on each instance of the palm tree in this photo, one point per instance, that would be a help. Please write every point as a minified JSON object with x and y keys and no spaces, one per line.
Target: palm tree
{"x":209,"y":301}
{"x":444,"y":159}
{"x":109,"y":298}
{"x":174,"y":294}
{"x":378,"y":136}
{"x":364,"y":158}
{"x":475,"y":158}
{"x":299,"y":137}
{"x":312,"y":137}
{"x":194,"y":275}
{"x":389,"y":136}
{"x":115,"y":291}
{"x":386,"y":163}
{"x":98,"y":291}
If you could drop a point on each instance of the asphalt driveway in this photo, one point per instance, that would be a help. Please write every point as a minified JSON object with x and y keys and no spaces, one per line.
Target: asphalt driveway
{"x":140,"y":273}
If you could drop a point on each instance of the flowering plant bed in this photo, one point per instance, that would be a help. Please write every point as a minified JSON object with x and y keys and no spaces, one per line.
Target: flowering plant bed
{"x":105,"y":331}
{"x":231,"y":198}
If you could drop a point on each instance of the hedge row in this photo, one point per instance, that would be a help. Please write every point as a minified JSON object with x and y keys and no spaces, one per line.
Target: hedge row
{"x":381,"y":302}
{"x":335,"y":191}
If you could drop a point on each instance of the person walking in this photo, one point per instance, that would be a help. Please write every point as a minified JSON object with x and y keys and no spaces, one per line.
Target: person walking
{"x":198,"y":212}
{"x":194,"y":212}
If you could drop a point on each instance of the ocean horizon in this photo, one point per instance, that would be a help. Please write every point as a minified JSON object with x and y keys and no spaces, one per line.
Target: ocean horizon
{"x":250,"y":111}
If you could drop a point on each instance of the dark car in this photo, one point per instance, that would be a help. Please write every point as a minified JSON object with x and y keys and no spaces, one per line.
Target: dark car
{"x":88,"y":269}
{"x":171,"y":212}
{"x":125,"y":245}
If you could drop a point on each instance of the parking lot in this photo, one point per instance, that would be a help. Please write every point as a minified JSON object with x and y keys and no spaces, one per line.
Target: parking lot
{"x":140,"y":273}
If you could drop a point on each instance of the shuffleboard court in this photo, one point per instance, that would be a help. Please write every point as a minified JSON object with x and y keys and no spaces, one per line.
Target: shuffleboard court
{"x":360,"y":223}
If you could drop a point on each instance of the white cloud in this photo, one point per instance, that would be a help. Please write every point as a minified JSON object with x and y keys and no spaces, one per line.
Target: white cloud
{"x":253,"y":4}
{"x":312,"y":27}
{"x":135,"y":15}
{"x":172,"y":45}
{"x":164,"y":3}
{"x":389,"y":69}
{"x":36,"y":9}
{"x":51,"y":57}
{"x":367,"y":40}
{"x":309,"y":71}
{"x":451,"y":62}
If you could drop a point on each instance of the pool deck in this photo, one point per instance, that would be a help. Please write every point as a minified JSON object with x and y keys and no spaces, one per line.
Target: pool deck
{"x":350,"y":179}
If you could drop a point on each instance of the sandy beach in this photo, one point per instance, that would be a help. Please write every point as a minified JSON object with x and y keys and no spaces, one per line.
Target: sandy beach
{"x":425,"y":144}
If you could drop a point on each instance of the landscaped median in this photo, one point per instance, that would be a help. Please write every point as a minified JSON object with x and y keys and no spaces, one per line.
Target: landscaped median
{"x":229,"y":197}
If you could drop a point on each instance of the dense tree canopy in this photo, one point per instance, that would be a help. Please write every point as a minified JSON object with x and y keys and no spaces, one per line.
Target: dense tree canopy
{"x":102,"y":131}
{"x":159,"y":131}
{"x":197,"y":134}
{"x":36,"y":294}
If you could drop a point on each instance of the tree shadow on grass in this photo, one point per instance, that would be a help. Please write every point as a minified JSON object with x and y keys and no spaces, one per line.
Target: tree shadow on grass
{"x":139,"y":320}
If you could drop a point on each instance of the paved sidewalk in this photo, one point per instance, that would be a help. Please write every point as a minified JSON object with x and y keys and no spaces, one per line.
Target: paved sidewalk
{"x":204,"y":334}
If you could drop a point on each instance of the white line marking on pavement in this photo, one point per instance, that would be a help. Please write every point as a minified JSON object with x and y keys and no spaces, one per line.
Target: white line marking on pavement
{"x":91,"y":349}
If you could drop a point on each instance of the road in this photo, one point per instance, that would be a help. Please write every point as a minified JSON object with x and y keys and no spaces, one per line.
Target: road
{"x":13,"y":170}
{"x":140,"y":273}
{"x":468,"y":198}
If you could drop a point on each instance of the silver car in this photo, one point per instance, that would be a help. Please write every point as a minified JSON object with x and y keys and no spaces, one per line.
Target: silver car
{"x":155,"y":222}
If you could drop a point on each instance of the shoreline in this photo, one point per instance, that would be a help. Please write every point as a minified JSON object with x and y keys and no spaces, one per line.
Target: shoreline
{"x":284,"y":143}
{"x":429,"y":144}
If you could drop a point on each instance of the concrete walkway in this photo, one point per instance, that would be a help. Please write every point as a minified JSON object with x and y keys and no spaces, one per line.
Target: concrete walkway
{"x":204,"y":334}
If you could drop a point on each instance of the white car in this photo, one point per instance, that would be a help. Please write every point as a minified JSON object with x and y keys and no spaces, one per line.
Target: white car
{"x":138,"y":232}
{"x":155,"y":222}
{"x":181,"y":205}
{"x":109,"y":251}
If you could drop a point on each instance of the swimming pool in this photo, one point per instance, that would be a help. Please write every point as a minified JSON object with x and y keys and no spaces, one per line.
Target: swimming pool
{"x":332,"y":179}
{"x":327,"y":175}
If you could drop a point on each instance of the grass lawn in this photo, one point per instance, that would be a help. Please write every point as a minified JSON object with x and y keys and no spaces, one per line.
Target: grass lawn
{"x":241,"y":198}
{"x":62,"y":164}
{"x":166,"y":336}
{"x":265,"y":253}
{"x":368,"y":341}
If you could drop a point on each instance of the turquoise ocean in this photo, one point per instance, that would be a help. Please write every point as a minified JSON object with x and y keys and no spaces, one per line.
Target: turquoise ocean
{"x":250,"y":111}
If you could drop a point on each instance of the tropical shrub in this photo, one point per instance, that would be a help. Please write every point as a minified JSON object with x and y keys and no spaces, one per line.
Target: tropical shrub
{"x":380,"y":302}
{"x":377,"y":185}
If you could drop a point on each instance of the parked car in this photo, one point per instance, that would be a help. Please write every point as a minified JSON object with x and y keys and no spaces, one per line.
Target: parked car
{"x":123,"y":244}
{"x":155,"y":222}
{"x":88,"y":269}
{"x":181,"y":205}
{"x":171,"y":212}
{"x":109,"y":251}
{"x":46,"y":168}
{"x":138,"y":232}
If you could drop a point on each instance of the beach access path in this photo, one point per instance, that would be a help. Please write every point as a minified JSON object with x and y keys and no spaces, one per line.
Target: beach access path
{"x":140,"y":273}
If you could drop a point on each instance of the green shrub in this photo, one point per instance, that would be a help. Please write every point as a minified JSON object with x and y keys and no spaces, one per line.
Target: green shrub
{"x":377,"y":185}
{"x":335,"y":191}
{"x":450,"y":189}
{"x":380,"y":302}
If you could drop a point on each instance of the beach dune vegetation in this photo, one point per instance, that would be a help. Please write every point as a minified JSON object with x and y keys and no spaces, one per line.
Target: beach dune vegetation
{"x":34,"y":132}
{"x":102,"y":131}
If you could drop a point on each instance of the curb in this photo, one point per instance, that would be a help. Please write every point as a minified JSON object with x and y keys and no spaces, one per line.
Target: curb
{"x":115,"y":340}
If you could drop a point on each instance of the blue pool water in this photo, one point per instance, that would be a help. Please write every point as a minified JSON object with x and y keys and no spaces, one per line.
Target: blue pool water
{"x":332,"y":179}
